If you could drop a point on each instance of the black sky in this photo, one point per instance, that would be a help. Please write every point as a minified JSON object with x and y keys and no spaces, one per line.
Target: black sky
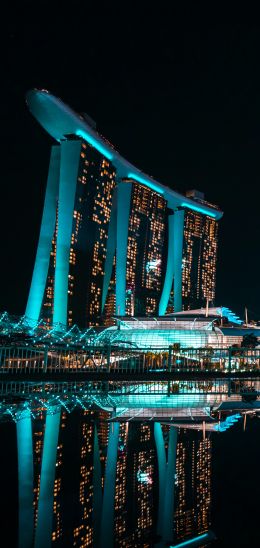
{"x":178,"y":96}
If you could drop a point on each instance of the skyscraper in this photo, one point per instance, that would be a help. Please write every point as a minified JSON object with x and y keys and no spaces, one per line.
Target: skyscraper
{"x":192,"y":516}
{"x":94,"y":181}
{"x":199,"y":257}
{"x":113,"y":240}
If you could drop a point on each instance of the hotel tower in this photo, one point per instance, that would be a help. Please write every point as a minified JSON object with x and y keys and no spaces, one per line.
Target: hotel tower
{"x":113,"y":241}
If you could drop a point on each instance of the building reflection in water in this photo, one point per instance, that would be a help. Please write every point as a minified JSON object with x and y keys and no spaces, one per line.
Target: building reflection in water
{"x":84,"y":489}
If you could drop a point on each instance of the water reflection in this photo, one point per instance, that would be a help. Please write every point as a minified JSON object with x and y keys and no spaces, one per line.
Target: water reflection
{"x":124,"y":484}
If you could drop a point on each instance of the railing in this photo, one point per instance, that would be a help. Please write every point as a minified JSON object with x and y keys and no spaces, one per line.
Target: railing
{"x":17,"y":359}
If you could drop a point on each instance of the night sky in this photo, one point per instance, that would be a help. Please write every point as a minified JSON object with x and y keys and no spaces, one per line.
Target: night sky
{"x":178,"y":94}
{"x":179,"y":100}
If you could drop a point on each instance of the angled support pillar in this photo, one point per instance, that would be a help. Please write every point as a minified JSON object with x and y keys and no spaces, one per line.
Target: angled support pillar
{"x":166,"y":482}
{"x":25,"y":481}
{"x":69,"y":164}
{"x":178,"y":250}
{"x":107,"y":517}
{"x":97,"y":490}
{"x":168,"y":281}
{"x":43,"y":534}
{"x":161,"y":459}
{"x":170,"y":485}
{"x":111,"y":248}
{"x":174,"y":263}
{"x":124,"y":191}
{"x":41,"y":266}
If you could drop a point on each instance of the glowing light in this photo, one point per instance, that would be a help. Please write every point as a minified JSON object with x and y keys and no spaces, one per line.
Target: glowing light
{"x":191,"y":541}
{"x":199,"y":209}
{"x":224,"y":311}
{"x":144,"y":477}
{"x":145,"y":182}
{"x":152,"y":265}
{"x":96,"y":144}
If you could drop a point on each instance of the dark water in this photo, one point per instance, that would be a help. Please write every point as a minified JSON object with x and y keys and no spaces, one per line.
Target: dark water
{"x":216,"y":484}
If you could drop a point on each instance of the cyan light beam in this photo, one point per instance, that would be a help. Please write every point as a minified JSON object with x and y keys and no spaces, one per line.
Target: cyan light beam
{"x":199,"y":209}
{"x":145,"y":182}
{"x":191,"y":541}
{"x":95,"y":143}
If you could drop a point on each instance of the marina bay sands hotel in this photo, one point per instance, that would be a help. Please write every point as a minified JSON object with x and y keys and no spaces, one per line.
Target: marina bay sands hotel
{"x":113,"y":240}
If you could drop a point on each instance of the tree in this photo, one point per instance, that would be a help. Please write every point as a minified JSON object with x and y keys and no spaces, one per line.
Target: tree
{"x":249,"y":341}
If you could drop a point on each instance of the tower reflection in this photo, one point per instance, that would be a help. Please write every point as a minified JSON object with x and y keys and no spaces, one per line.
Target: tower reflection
{"x":99,"y":482}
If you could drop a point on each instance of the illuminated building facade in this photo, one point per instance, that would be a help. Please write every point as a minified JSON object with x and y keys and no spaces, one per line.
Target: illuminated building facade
{"x":94,"y":180}
{"x":141,"y":486}
{"x":192,"y":515}
{"x":199,"y":258}
{"x":71,"y":512}
{"x":113,"y":240}
{"x":145,"y":247}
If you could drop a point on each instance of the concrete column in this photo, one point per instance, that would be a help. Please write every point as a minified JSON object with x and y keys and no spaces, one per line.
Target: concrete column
{"x":97,"y":489}
{"x":161,"y":459}
{"x":166,"y":482}
{"x":69,"y":165}
{"x":170,"y":486}
{"x":168,"y":281}
{"x":41,"y":266}
{"x":178,"y":250}
{"x":107,"y":517}
{"x":124,"y":191}
{"x":174,"y":263}
{"x":25,"y":481}
{"x":43,"y":532}
{"x":111,"y":248}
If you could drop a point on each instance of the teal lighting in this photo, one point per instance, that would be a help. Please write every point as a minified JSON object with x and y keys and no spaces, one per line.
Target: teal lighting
{"x":191,"y":541}
{"x":124,"y":192}
{"x":25,"y":480}
{"x":70,"y":155}
{"x":152,"y":265}
{"x":96,"y":144}
{"x":224,"y":311}
{"x":199,"y":209}
{"x":145,"y":182}
{"x":97,"y":489}
{"x":40,"y":272}
{"x":144,"y":477}
{"x":174,"y":263}
{"x":107,"y":516}
{"x":111,"y":248}
{"x":48,"y":468}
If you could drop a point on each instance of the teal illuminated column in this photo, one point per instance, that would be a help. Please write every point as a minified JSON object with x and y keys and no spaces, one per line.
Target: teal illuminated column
{"x":107,"y":517}
{"x":178,"y":231}
{"x":170,"y":485}
{"x":69,"y":164}
{"x":111,"y":247}
{"x":97,"y":490}
{"x":168,"y":281}
{"x":124,"y":191}
{"x":161,"y":459}
{"x":40,"y":272}
{"x":43,"y":535}
{"x":25,"y":480}
{"x":166,"y":481}
{"x":174,"y":263}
